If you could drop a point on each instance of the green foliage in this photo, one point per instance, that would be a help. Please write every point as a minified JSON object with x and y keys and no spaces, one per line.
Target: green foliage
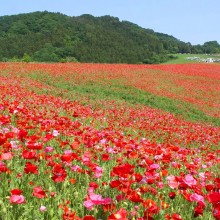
{"x":157,"y":58}
{"x":52,"y":37}
{"x":86,"y":38}
{"x":26,"y":58}
{"x":211,"y":47}
{"x":46,"y":54}
{"x":69,"y":60}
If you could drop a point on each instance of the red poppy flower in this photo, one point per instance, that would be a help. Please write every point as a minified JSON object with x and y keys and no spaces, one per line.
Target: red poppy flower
{"x":29,"y":154}
{"x":67,"y":158}
{"x":39,"y":192}
{"x":198,"y":210}
{"x":89,"y":217}
{"x":94,"y":185}
{"x":3,"y":168}
{"x":2,"y":139}
{"x":108,"y":207}
{"x":22,"y":134}
{"x":172,"y":195}
{"x":69,"y":215}
{"x":209,"y":187}
{"x":138,"y":177}
{"x":115,"y":183}
{"x":59,"y":173}
{"x":30,"y":168}
{"x":216,"y":212}
{"x":214,"y":198}
{"x":123,"y":170}
{"x":16,"y":192}
{"x":176,"y":217}
{"x":105,"y":157}
{"x":135,"y":197}
{"x":120,"y":214}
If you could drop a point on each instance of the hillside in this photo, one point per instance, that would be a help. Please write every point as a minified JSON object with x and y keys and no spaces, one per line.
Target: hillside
{"x":54,"y":37}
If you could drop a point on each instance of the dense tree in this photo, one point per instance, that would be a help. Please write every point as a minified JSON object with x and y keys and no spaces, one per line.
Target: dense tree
{"x":211,"y":47}
{"x":53,"y":37}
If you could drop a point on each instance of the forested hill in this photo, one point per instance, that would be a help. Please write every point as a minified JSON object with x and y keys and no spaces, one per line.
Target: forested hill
{"x":54,"y":37}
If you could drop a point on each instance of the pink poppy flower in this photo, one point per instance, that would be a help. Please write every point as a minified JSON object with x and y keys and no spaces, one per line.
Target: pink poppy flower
{"x":55,"y":133}
{"x":88,"y":204}
{"x":98,"y":172}
{"x":7,"y":156}
{"x":173,"y":184}
{"x":17,"y":199}
{"x":43,"y":208}
{"x":197,"y":198}
{"x":14,"y":145}
{"x":154,"y":166}
{"x":189,"y":180}
{"x":48,"y":149}
{"x":95,"y":199}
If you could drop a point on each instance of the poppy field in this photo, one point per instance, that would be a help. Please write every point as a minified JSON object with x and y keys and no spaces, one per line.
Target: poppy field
{"x":109,"y":141}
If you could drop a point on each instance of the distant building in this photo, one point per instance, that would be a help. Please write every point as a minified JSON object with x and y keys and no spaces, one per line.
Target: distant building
{"x":205,"y":60}
{"x":209,"y":60}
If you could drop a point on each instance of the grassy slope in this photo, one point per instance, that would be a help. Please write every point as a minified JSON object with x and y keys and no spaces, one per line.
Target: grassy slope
{"x":182,"y":58}
{"x":129,"y":94}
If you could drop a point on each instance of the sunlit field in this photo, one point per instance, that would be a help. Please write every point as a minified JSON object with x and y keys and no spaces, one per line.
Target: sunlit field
{"x":109,"y":141}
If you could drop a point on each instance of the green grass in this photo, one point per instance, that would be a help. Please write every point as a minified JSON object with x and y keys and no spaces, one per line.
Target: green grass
{"x":116,"y":91}
{"x":136,"y":96}
{"x":182,"y":58}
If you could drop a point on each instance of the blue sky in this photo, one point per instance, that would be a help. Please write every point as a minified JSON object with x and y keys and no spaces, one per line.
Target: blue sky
{"x":195,"y":21}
